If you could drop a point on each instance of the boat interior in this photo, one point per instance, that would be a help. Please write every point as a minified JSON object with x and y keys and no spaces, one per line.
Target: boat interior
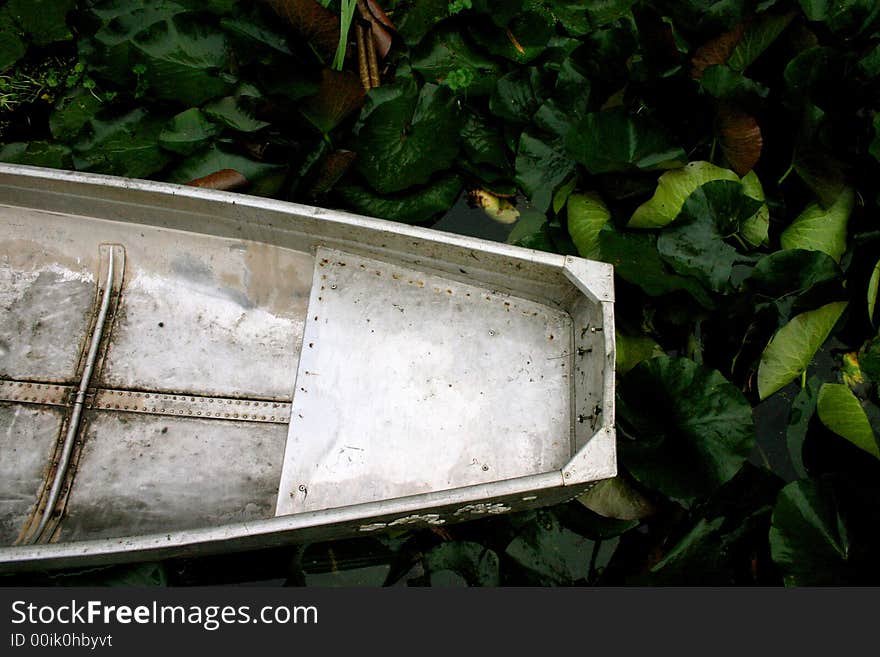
{"x":169,"y":362}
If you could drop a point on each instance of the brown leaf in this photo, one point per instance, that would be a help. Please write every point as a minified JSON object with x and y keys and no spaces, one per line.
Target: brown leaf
{"x":226,"y":180}
{"x":330,"y":170}
{"x":717,"y":50}
{"x":741,"y":139}
{"x":315,"y":23}
{"x":380,"y":25}
{"x":339,"y":94}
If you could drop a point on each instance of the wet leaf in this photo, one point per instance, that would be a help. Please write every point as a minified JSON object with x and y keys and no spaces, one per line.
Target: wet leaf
{"x":633,"y":349}
{"x":338,"y":96}
{"x":72,"y":113}
{"x":824,"y":532}
{"x":233,"y":113}
{"x":792,"y":272}
{"x":521,"y":41}
{"x":587,"y":215}
{"x":187,"y":132}
{"x":818,"y":229}
{"x":407,"y":135}
{"x":673,"y":189}
{"x":614,"y":141}
{"x":415,"y":206}
{"x":551,"y":553}
{"x":841,"y":412}
{"x":716,"y":51}
{"x":847,"y":17}
{"x":12,"y":45}
{"x":415,"y":19}
{"x":688,"y":430}
{"x":482,"y":143}
{"x":758,"y":36}
{"x":791,"y":350}
{"x":518,"y":95}
{"x":225,"y":180}
{"x":741,"y":139}
{"x":256,"y":32}
{"x":802,"y":409}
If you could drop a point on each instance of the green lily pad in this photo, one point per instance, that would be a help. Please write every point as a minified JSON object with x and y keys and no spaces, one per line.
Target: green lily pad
{"x":231,"y":112}
{"x":824,"y":532}
{"x":847,"y":18}
{"x":12,"y":45}
{"x":37,"y":154}
{"x":407,"y":135}
{"x":841,"y":412}
{"x":791,"y":272}
{"x":415,"y":206}
{"x":633,"y":349}
{"x":803,"y":406}
{"x":126,"y":145}
{"x":820,"y":229}
{"x":694,"y":244}
{"x":72,"y":112}
{"x":518,"y":95}
{"x":416,"y":19}
{"x":265,"y":178}
{"x":551,"y":554}
{"x":587,"y":215}
{"x":475,"y":564}
{"x":446,"y":51}
{"x":44,"y":21}
{"x":256,"y":32}
{"x":687,"y":429}
{"x":523,"y":39}
{"x":482,"y":143}
{"x":635,"y":259}
{"x":187,"y":132}
{"x":541,"y":167}
{"x":791,"y":350}
{"x":722,"y":82}
{"x":617,"y":498}
{"x":759,"y":35}
{"x":615,"y":142}
{"x":673,"y":189}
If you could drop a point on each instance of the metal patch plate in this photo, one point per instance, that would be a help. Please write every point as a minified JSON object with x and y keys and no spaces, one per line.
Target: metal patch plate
{"x":410,"y":383}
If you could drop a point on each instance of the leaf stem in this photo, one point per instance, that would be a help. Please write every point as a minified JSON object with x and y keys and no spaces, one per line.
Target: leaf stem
{"x":803,"y":379}
{"x":786,"y":174}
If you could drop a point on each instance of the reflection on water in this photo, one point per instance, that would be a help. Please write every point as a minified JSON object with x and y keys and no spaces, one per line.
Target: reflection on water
{"x":463,"y":219}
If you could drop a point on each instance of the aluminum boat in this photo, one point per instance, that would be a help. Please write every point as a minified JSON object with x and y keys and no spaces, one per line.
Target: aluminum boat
{"x":187,"y":371}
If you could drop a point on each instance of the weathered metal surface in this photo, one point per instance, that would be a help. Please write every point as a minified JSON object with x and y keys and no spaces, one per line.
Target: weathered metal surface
{"x":32,"y":392}
{"x":27,"y":439}
{"x":226,"y":408}
{"x":411,"y":382}
{"x":142,"y":474}
{"x":217,"y":295}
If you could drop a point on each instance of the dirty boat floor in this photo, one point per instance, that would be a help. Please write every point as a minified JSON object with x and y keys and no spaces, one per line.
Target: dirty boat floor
{"x":237,"y":380}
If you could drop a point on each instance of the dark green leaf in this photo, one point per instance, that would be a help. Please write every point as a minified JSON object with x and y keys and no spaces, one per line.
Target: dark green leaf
{"x":265,"y":178}
{"x":842,"y":413}
{"x":802,"y":409}
{"x":477,"y":565}
{"x":635,"y":259}
{"x":541,"y":167}
{"x":694,"y":243}
{"x":814,"y":75}
{"x":44,"y":21}
{"x":12,"y":46}
{"x":482,"y":143}
{"x":256,"y":32}
{"x":447,"y":51}
{"x":407,"y":135}
{"x":791,"y":272}
{"x":187,"y":132}
{"x":847,"y":18}
{"x":126,"y":145}
{"x":550,"y":553}
{"x":722,"y":82}
{"x":413,"y":207}
{"x":415,"y":19}
{"x":234,"y":114}
{"x":759,"y":35}
{"x":37,"y":154}
{"x":521,"y":41}
{"x":818,"y":229}
{"x":614,"y":141}
{"x":688,"y":430}
{"x":518,"y":95}
{"x":824,"y":532}
{"x":73,"y":112}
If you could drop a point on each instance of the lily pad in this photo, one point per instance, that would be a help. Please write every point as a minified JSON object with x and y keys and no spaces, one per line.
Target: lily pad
{"x":518,"y":95}
{"x":633,"y":349}
{"x":687,"y":429}
{"x":587,"y":215}
{"x":415,"y":206}
{"x":791,"y":272}
{"x":755,"y":229}
{"x":187,"y":132}
{"x":72,"y":112}
{"x":126,"y":145}
{"x":614,"y":141}
{"x":824,"y":532}
{"x":265,"y":178}
{"x":550,"y":553}
{"x":541,"y":167}
{"x":841,"y":412}
{"x":407,"y":135}
{"x":37,"y":154}
{"x":233,"y":113}
{"x":673,"y":189}
{"x":820,"y":229}
{"x":12,"y":44}
{"x":617,"y":498}
{"x":791,"y":350}
{"x":44,"y":21}
{"x":446,"y":51}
